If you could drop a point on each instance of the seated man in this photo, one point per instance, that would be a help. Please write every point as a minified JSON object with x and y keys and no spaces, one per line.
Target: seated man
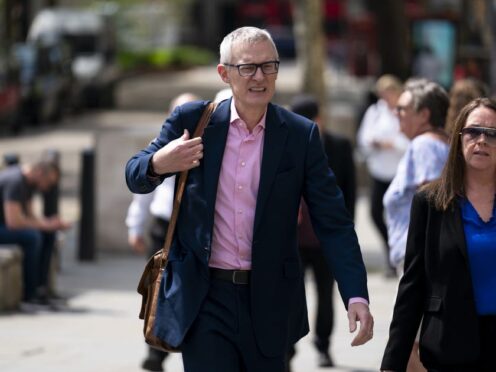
{"x":18,"y":224}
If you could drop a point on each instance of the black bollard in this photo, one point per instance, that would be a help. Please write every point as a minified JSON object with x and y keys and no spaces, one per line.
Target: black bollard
{"x":87,"y":207}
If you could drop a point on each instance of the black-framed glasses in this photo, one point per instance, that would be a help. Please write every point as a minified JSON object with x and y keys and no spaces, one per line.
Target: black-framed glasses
{"x":250,"y":69}
{"x":472,"y":133}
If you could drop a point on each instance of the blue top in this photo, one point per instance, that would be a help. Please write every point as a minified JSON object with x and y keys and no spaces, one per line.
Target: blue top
{"x":422,"y":162}
{"x":481,"y":248}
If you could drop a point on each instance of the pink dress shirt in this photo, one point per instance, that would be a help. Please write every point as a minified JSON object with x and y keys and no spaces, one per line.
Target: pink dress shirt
{"x":237,"y":195}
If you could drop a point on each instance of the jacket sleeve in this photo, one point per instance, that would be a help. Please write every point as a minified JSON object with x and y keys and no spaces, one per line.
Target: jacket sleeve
{"x":183,"y":117}
{"x":409,"y":304}
{"x":332,"y":223}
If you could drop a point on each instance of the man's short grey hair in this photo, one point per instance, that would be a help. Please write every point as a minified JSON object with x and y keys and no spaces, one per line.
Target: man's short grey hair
{"x":430,"y":95}
{"x":248,"y":35}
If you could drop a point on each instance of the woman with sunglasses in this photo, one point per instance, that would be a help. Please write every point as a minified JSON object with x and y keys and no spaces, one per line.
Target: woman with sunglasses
{"x":450,"y":278}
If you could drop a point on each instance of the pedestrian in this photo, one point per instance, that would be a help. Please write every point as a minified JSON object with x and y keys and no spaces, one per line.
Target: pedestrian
{"x":462,"y":92}
{"x":223,"y":94}
{"x":422,"y":111}
{"x":158,"y":205}
{"x":449,"y":281}
{"x":339,"y":154}
{"x":232,"y":296}
{"x":382,"y":144}
{"x":19,"y":225}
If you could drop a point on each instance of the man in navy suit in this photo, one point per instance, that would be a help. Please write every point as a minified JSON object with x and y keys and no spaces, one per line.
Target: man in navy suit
{"x":232,"y":296}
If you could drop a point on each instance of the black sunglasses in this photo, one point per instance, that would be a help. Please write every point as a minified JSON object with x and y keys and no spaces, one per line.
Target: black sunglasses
{"x":472,"y":133}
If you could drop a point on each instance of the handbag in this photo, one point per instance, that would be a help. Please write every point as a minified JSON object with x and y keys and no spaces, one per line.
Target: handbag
{"x":149,"y":284}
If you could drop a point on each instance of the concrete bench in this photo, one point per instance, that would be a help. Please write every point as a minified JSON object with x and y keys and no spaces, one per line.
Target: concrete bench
{"x":11,"y":284}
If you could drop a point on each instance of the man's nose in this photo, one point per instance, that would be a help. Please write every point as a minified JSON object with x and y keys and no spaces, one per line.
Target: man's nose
{"x":259,"y":73}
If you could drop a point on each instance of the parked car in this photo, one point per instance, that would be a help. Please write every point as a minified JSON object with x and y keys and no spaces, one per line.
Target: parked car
{"x":91,"y":41}
{"x":46,"y":80}
{"x":10,"y":95}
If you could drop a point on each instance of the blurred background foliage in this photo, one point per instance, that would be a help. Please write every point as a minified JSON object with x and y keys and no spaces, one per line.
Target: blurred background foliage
{"x":163,"y":58}
{"x":148,"y":34}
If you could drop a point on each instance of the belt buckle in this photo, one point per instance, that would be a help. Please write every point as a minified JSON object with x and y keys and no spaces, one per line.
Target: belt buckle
{"x":234,"y":277}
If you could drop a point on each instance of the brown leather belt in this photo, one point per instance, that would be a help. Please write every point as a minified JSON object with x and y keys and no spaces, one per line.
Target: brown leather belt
{"x":233,"y":276}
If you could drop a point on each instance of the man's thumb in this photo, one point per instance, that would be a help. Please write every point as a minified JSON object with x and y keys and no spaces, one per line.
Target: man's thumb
{"x":185,"y":135}
{"x":352,"y":322}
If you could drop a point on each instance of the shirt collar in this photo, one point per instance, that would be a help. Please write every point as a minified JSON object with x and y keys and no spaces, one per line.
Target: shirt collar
{"x":235,"y":116}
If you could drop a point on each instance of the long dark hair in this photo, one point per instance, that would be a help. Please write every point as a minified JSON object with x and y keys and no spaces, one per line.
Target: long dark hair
{"x":443,"y":191}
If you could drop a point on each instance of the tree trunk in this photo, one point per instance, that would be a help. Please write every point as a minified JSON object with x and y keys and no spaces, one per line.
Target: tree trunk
{"x":392,"y":30}
{"x":491,"y":24}
{"x":310,"y":47}
{"x":487,"y":26}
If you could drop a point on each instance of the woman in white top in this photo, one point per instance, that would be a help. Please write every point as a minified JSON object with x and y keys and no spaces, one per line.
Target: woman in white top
{"x":382,"y":144}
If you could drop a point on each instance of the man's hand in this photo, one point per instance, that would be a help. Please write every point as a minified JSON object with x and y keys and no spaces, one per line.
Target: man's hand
{"x":178,"y":155}
{"x":137,"y":243}
{"x":360,"y":311}
{"x":54,"y":223}
{"x":383,"y":145}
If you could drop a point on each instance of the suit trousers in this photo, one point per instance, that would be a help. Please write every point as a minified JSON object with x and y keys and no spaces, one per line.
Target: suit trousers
{"x":313,"y":258}
{"x":379,"y":188}
{"x":221,"y":338}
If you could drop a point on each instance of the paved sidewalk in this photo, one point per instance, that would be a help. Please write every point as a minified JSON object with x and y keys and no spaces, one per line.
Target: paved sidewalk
{"x":99,"y":329}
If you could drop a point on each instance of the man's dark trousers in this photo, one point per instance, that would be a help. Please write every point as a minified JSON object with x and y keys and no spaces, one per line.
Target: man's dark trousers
{"x":314,"y":259}
{"x":221,"y":339}
{"x":30,"y":241}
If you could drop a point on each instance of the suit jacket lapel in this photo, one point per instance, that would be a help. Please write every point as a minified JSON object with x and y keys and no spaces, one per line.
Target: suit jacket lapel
{"x":214,"y":141}
{"x":275,"y":136}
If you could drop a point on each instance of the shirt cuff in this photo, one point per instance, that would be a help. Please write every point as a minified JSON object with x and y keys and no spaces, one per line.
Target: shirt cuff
{"x":355,"y":300}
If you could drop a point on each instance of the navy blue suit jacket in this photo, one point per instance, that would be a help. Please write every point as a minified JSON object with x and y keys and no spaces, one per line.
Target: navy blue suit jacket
{"x":293,"y":165}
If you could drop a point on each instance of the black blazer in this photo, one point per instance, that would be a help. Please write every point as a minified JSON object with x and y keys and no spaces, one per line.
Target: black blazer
{"x":437,"y":287}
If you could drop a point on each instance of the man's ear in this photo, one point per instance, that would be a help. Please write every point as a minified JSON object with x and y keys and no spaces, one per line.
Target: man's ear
{"x":425,"y":114}
{"x":222,"y":71}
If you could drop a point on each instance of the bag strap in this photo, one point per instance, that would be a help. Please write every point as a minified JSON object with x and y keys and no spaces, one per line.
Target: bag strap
{"x":181,"y":184}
